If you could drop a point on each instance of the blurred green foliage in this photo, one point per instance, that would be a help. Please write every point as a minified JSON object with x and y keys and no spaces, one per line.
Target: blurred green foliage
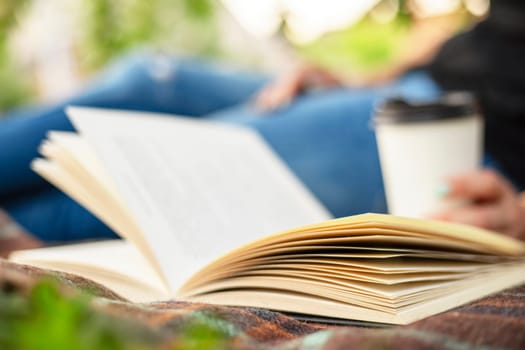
{"x":49,"y":320}
{"x":46,"y":320}
{"x":14,"y":88}
{"x":107,"y":29}
{"x":366,"y":46}
{"x":371,"y":44}
{"x":9,"y":10}
{"x":114,"y":26}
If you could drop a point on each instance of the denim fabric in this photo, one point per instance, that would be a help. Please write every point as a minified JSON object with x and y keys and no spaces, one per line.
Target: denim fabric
{"x":325,"y":137}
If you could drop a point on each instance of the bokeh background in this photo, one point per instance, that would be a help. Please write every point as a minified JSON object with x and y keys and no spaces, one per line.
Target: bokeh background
{"x":50,"y":48}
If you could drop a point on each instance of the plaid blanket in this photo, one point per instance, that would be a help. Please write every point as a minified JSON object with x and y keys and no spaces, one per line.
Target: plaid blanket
{"x":495,"y":322}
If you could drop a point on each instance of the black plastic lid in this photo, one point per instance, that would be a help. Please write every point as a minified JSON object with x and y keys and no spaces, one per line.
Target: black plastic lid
{"x":450,"y":105}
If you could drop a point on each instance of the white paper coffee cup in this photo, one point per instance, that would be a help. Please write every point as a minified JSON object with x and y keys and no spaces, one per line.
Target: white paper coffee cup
{"x":420,"y":145}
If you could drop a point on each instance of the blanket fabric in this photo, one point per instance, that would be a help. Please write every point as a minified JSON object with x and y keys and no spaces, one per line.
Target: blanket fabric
{"x":495,"y":322}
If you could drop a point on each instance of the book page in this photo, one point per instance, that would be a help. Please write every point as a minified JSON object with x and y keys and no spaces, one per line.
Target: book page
{"x":197,"y":189}
{"x":71,"y":166}
{"x":317,"y":300}
{"x":115,"y":264}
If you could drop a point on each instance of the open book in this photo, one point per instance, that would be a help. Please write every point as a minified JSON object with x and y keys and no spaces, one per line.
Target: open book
{"x":208,"y":212}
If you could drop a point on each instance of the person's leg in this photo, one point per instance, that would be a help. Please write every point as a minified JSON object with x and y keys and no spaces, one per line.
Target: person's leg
{"x":190,"y":87}
{"x":142,"y":82}
{"x":52,"y":216}
{"x":325,"y":139}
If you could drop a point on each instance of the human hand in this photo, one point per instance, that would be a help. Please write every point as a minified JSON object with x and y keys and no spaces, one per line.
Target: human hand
{"x":492,"y":203}
{"x":284,"y":89}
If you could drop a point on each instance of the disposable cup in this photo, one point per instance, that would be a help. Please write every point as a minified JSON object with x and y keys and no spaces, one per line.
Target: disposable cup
{"x":421,"y":145}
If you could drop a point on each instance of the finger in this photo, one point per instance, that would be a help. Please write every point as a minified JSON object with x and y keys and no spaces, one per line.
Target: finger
{"x":328,"y":80}
{"x":517,"y":229}
{"x":262,"y":99}
{"x":276,"y":95}
{"x":490,"y":217}
{"x":282,"y":91}
{"x":478,"y":185}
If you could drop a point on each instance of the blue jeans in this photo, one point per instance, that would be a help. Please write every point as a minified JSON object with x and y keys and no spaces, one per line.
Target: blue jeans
{"x":324,"y":137}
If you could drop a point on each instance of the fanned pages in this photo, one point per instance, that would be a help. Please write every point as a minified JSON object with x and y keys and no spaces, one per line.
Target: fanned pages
{"x":198,"y":205}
